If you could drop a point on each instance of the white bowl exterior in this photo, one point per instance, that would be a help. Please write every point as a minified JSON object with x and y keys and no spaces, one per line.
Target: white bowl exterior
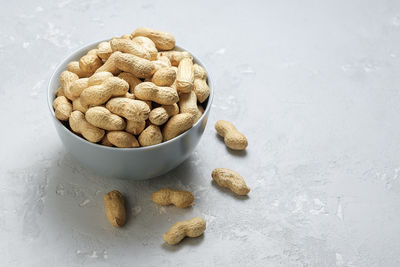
{"x":127,"y":163}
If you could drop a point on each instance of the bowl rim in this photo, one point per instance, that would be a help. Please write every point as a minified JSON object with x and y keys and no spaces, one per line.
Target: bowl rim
{"x":51,"y":97}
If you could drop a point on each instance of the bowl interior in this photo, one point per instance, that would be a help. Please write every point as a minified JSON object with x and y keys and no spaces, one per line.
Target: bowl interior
{"x":54,"y":84}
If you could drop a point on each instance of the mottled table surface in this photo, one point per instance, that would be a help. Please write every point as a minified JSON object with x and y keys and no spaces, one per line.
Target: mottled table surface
{"x":313,"y":84}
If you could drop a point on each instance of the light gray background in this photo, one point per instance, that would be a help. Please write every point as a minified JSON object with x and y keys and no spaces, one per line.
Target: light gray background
{"x":313,"y":84}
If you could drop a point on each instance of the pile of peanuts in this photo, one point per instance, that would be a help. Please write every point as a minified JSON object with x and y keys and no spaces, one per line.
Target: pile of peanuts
{"x":137,"y":90}
{"x":132,"y":91}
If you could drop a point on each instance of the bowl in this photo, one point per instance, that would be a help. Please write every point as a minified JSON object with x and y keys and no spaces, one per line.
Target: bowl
{"x":127,"y":163}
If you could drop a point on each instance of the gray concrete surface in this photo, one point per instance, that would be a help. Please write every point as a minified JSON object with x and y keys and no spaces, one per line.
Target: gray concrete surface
{"x":313,"y":84}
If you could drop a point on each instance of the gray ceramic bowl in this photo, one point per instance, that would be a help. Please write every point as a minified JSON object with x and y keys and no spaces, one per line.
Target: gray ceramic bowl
{"x":128,"y":163}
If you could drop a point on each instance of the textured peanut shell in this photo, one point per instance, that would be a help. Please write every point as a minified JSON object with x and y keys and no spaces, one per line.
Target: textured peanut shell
{"x":115,"y":208}
{"x":125,"y":36}
{"x":135,"y":127}
{"x":66,"y":80}
{"x":175,"y":57}
{"x":139,"y":67}
{"x":161,"y":62}
{"x":190,"y":228}
{"x":130,"y":79}
{"x":160,"y":115}
{"x":164,"y":77}
{"x":73,"y":66}
{"x":104,"y":50}
{"x":99,"y":94}
{"x":168,"y":196}
{"x":60,"y":92}
{"x":99,"y":78}
{"x":199,"y":72}
{"x":77,"y":105}
{"x":90,"y":63}
{"x":200,"y":86}
{"x":230,"y":179}
{"x":92,"y":52}
{"x":147,"y":44}
{"x":185,"y":76}
{"x":143,"y":41}
{"x":177,"y":124}
{"x":175,"y":69}
{"x":62,"y":108}
{"x":78,"y":86}
{"x":201,"y":89}
{"x":130,"y":47}
{"x":130,"y":96}
{"x":122,"y":139}
{"x":158,"y":94}
{"x":188,"y":103}
{"x":109,"y":65}
{"x":106,"y":142}
{"x":95,"y":95}
{"x":150,"y":136}
{"x":135,"y":110}
{"x":162,"y":40}
{"x":173,"y":86}
{"x":232,"y":137}
{"x":104,"y":119}
{"x":78,"y":124}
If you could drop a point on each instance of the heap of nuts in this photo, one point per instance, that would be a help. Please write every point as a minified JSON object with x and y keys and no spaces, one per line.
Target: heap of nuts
{"x":137,"y":90}
{"x":132,"y":91}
